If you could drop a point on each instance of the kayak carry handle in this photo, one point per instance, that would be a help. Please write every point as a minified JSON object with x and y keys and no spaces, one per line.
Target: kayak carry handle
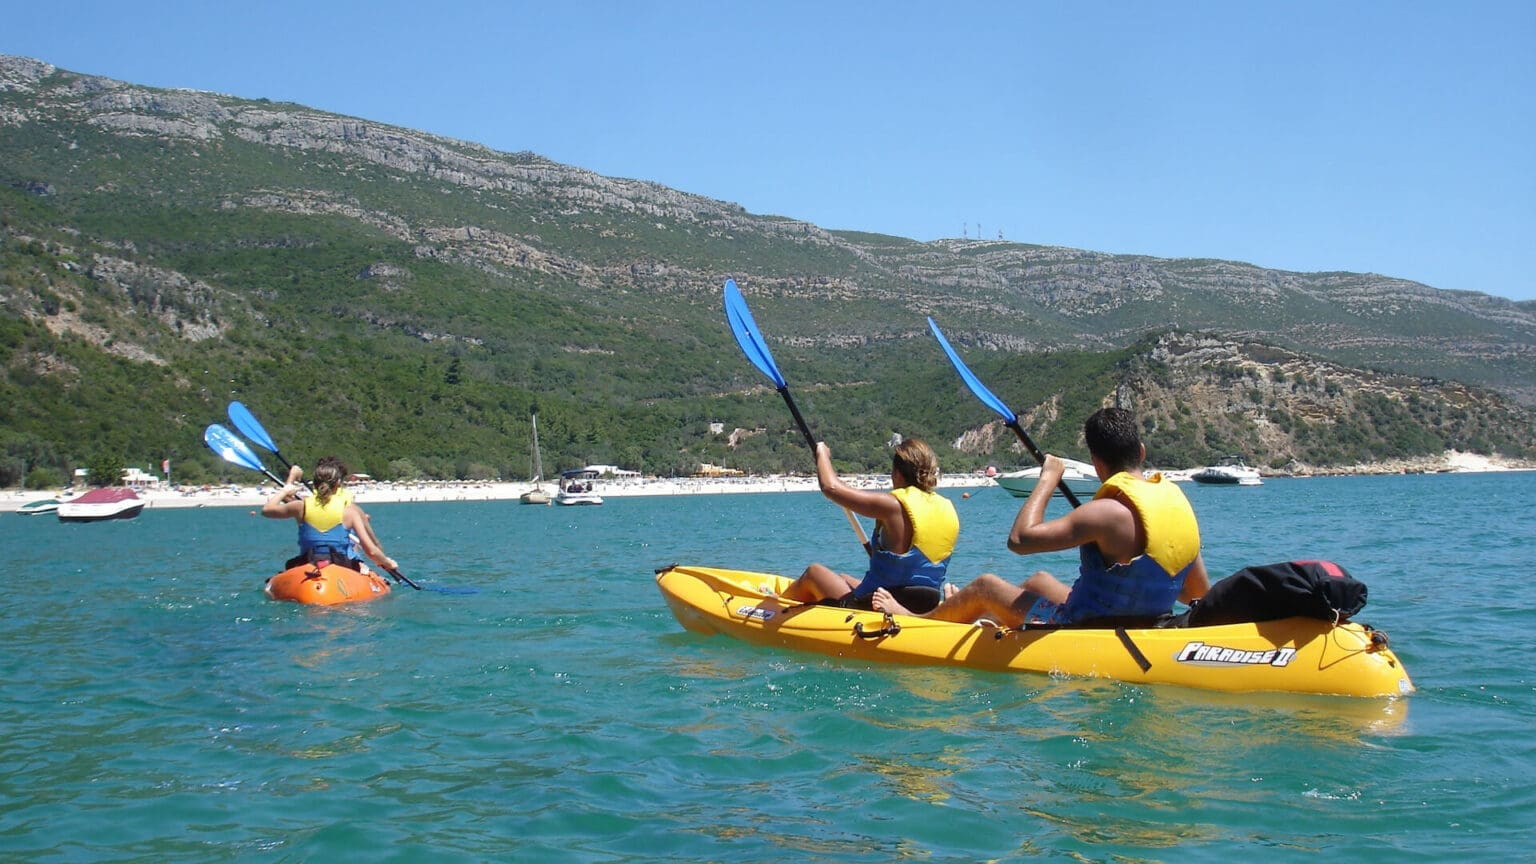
{"x":890,"y":628}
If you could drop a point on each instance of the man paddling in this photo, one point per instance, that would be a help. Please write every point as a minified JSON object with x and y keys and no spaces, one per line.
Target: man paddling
{"x":1138,"y":542}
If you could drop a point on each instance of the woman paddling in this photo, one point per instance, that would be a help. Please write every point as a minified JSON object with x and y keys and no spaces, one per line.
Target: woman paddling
{"x":915,"y":532}
{"x":331,"y":525}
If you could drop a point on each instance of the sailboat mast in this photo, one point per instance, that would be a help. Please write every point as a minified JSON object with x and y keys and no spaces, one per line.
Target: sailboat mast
{"x":538,"y":463}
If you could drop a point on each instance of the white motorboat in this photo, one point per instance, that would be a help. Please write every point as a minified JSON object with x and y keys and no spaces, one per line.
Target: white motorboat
{"x":1080,"y":478}
{"x":1233,"y":473}
{"x":578,"y":486}
{"x":39,"y":508}
{"x":114,"y":502}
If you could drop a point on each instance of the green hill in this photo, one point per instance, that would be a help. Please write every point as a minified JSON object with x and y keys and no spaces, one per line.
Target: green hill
{"x":407,"y":301}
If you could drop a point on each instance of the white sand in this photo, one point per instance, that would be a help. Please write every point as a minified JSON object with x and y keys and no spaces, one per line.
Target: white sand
{"x":381,"y":493}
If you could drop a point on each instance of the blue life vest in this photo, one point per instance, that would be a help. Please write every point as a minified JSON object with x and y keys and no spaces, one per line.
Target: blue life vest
{"x":935,"y":528}
{"x":1147,"y":585}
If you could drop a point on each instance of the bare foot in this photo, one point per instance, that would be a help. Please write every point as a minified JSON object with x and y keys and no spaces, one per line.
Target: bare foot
{"x":884,"y":602}
{"x":950,"y":590}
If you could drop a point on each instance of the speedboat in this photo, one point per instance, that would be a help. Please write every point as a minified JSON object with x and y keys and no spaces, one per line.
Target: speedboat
{"x":113,"y":502}
{"x":1233,"y":473}
{"x":1080,"y":478}
{"x":39,"y":508}
{"x":578,"y":486}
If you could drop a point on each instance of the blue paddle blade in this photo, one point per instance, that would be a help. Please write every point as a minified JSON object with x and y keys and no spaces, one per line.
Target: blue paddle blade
{"x":747,"y":334}
{"x":970,"y":380}
{"x":250,"y":427}
{"x":231,"y":449}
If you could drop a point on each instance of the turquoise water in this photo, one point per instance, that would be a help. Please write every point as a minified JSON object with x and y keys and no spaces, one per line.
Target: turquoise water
{"x":158,"y":708}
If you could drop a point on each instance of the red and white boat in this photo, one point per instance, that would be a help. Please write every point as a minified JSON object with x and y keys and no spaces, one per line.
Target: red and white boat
{"x":116,"y":502}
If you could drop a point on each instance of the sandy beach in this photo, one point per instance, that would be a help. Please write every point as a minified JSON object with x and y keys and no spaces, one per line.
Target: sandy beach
{"x":383,"y":493}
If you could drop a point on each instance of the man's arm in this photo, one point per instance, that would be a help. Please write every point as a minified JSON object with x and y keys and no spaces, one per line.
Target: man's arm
{"x":1196,"y":583}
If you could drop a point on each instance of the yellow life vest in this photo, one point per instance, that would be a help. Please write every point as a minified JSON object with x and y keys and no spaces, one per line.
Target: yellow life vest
{"x":324,"y":517}
{"x":935,"y":525}
{"x":935,"y":528}
{"x":1149,"y":584}
{"x":1173,"y":535}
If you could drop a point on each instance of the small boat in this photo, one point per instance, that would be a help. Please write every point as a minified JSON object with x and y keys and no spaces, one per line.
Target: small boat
{"x":112,"y":502}
{"x":578,"y":486}
{"x":1233,"y":473}
{"x":39,"y":507}
{"x":1298,"y":655}
{"x":1080,"y":477}
{"x":325,"y":586}
{"x":536,"y":495}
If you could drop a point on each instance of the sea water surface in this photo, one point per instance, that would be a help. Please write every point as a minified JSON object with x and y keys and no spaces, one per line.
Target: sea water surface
{"x":157,"y":708}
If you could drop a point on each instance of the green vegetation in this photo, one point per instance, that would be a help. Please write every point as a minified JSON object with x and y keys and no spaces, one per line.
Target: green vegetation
{"x":409,"y":314}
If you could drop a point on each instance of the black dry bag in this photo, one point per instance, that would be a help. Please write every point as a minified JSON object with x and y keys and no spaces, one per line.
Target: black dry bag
{"x":1311,"y":589}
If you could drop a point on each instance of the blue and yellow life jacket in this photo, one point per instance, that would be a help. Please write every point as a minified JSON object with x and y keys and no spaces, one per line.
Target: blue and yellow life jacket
{"x":321,"y":530}
{"x":1148,"y":584}
{"x":935,"y":528}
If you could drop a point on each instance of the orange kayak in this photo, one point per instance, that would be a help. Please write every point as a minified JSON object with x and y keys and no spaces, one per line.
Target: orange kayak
{"x":327,"y":586}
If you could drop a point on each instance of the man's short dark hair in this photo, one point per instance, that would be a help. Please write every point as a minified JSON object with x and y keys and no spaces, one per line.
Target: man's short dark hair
{"x":1112,"y":436}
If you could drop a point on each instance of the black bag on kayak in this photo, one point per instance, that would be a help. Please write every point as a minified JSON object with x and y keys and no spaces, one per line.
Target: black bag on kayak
{"x":1310,"y":589}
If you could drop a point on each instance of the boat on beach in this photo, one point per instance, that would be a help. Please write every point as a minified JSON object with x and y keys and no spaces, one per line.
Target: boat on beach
{"x":578,"y":486}
{"x":40,"y":507}
{"x":1079,"y":476}
{"x":1297,"y":654}
{"x":97,"y":505}
{"x":1231,"y":473}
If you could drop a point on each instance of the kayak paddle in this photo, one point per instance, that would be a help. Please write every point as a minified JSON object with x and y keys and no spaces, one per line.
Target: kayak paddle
{"x":401,"y":577}
{"x":441,"y":589}
{"x":251,"y":428}
{"x":231,"y":449}
{"x":751,"y":341}
{"x":1010,"y":419}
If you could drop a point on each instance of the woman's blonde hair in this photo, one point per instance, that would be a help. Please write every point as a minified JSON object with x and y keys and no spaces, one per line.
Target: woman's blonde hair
{"x":329,"y":474}
{"x":914,"y":460}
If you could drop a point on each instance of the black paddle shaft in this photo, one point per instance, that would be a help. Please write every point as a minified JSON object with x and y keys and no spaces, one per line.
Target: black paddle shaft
{"x":1034,"y":451}
{"x":799,"y":420}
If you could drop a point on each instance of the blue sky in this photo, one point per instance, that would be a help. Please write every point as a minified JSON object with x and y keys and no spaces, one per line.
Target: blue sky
{"x":1387,"y":137}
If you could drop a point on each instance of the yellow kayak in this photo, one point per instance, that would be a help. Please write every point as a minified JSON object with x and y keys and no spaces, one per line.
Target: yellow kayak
{"x":1299,"y":655}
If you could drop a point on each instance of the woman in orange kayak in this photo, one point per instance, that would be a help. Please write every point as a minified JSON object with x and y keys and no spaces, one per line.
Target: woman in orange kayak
{"x":328,"y":520}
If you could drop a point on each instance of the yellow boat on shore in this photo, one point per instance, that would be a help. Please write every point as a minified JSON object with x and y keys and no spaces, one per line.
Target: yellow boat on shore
{"x":1299,"y":655}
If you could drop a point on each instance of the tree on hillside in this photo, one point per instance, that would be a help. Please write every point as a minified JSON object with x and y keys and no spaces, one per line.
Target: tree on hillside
{"x":106,"y":469}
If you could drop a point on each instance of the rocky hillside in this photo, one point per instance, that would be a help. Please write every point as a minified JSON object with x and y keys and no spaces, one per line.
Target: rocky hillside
{"x":191,"y":247}
{"x":1298,"y":413}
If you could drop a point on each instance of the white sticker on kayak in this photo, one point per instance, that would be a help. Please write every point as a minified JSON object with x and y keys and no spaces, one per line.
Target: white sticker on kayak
{"x":1202,"y":654}
{"x":757,"y":612}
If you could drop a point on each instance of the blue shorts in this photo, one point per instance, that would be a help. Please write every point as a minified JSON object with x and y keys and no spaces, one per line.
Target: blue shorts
{"x":1043,"y":611}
